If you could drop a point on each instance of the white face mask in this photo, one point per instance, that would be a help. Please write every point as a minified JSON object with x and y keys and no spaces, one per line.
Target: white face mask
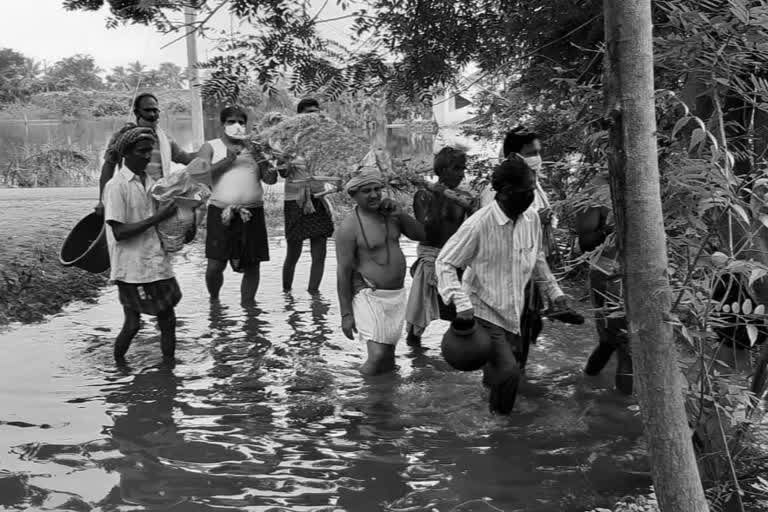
{"x":534,"y":162}
{"x":235,"y":131}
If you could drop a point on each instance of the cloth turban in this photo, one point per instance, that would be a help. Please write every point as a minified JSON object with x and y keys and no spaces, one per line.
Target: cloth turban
{"x":130,"y":136}
{"x":368,"y":177}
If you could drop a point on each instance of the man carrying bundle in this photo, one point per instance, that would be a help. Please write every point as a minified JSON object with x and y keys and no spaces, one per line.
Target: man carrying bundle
{"x":500,"y":250}
{"x":441,"y":218}
{"x":306,"y":217}
{"x":237,"y":230}
{"x":139,"y":265}
{"x":165,"y":150}
{"x":371,"y":270}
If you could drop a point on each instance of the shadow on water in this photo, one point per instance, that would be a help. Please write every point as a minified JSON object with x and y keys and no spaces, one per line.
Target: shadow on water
{"x":265,"y":411}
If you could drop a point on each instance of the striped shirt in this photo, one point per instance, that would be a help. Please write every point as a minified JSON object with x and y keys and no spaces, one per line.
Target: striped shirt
{"x":500,"y":256}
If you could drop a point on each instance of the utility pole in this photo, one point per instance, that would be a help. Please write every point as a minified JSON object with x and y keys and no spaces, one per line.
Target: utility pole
{"x":198,"y":137}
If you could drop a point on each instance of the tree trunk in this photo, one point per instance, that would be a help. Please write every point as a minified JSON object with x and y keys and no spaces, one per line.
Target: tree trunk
{"x":637,"y":204}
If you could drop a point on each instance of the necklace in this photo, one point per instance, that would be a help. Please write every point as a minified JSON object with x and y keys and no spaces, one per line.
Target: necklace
{"x":365,"y":238}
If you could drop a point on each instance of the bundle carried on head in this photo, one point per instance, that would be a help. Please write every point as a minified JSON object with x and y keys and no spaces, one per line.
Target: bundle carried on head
{"x":328,"y":148}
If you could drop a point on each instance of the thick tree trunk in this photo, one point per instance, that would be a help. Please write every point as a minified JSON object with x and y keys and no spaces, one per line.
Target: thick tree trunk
{"x":637,"y":199}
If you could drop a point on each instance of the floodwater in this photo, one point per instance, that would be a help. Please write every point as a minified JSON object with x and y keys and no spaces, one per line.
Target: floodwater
{"x":265,"y":411}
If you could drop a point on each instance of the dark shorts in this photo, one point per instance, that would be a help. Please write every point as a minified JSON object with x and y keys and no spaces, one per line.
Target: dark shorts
{"x":149,"y":298}
{"x":300,"y":226}
{"x":243,"y":244}
{"x":605,"y":292}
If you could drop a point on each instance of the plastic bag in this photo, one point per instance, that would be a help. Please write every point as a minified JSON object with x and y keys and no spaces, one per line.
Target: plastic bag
{"x":200,"y":171}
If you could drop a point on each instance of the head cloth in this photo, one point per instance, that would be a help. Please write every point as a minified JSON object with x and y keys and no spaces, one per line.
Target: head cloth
{"x":363,"y":178}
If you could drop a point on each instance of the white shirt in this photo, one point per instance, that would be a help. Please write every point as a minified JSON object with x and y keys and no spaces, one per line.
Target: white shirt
{"x":141,"y":258}
{"x":500,"y":256}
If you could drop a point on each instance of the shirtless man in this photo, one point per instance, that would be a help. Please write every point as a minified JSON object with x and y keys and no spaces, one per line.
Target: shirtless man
{"x":594,"y":224}
{"x":441,"y":218}
{"x":371,"y":270}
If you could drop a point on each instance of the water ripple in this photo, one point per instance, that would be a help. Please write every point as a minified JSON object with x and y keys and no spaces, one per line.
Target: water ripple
{"x":265,"y":411}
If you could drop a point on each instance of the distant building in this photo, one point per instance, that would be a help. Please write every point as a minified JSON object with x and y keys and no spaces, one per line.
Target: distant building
{"x":454,"y":109}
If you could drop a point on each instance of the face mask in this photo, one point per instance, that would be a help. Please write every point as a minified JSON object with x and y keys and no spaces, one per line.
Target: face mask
{"x":534,"y":162}
{"x":515,"y":203}
{"x":235,"y":131}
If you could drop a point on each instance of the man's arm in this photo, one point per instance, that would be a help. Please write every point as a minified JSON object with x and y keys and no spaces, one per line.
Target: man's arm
{"x":346,"y":250}
{"x":115,"y":215}
{"x":180,"y":156}
{"x":217,"y":169}
{"x":107,"y":171}
{"x":125,"y":231}
{"x":411,"y":228}
{"x":457,"y":252}
{"x":543,"y":276}
{"x":421,"y":201}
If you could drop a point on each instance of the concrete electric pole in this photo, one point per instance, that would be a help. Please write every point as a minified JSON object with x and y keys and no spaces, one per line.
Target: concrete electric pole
{"x":198,"y":136}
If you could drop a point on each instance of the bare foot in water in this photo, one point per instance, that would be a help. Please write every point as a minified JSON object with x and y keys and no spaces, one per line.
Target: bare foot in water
{"x":373,"y":368}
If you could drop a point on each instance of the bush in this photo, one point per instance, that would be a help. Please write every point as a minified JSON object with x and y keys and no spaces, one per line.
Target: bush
{"x":92,"y":104}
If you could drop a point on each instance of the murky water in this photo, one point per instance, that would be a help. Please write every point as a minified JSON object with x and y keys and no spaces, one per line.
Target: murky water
{"x":265,"y":411}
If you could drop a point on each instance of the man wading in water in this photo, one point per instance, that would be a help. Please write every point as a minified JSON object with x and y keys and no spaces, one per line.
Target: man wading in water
{"x":164,"y":151}
{"x":594,"y":224}
{"x":237,"y":231}
{"x":371,"y":270}
{"x":139,"y":265}
{"x":500,"y":248}
{"x":441,"y":218}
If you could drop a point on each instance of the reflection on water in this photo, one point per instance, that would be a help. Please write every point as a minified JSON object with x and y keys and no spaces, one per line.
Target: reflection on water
{"x":265,"y":411}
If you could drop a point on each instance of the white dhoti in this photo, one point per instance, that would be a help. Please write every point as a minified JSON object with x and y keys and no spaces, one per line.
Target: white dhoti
{"x":379,"y":315}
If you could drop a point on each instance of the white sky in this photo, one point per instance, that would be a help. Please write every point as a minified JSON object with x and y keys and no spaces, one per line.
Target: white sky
{"x":44,"y":30}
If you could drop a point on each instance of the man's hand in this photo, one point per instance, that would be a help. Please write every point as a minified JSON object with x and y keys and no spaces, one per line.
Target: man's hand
{"x":99,"y":209}
{"x":167,"y":210}
{"x":233,"y":152}
{"x":546,"y":216}
{"x":389,"y":207}
{"x":467,"y":314}
{"x":348,"y":325}
{"x":562,"y":303}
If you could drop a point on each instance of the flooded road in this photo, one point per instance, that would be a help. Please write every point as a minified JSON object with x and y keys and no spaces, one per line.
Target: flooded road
{"x":265,"y":411}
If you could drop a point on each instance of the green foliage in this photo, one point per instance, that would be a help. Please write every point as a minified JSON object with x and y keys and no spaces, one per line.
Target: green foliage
{"x":78,"y":71}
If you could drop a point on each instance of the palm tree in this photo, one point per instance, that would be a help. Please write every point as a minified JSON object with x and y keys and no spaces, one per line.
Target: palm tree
{"x":119,"y":78}
{"x":135,"y":73}
{"x":170,"y":75}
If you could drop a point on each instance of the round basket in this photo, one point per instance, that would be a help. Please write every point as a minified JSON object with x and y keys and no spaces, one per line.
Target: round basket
{"x":86,"y":245}
{"x":173,"y":230}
